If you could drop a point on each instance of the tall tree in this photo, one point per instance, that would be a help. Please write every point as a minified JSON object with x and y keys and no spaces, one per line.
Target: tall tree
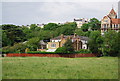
{"x":14,"y":33}
{"x":111,"y":43}
{"x":94,"y":24}
{"x":69,"y":47}
{"x":95,"y":42}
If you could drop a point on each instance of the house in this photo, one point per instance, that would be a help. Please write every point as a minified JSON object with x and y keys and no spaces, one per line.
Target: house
{"x":110,"y":22}
{"x":79,"y":42}
{"x":80,"y":22}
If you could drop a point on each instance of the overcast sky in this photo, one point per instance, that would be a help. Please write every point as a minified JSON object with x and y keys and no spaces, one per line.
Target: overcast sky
{"x":29,"y":12}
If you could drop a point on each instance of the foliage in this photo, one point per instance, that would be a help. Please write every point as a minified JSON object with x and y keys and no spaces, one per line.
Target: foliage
{"x":33,"y":43}
{"x":67,"y":29}
{"x":34,"y":27}
{"x":50,"y":26}
{"x":85,"y":51}
{"x":85,"y":27}
{"x":79,"y":32}
{"x":40,"y":52}
{"x":95,"y":42}
{"x":111,"y":44}
{"x":68,"y":45}
{"x":18,"y":47}
{"x":94,"y":24}
{"x":12,"y":33}
{"x":61,"y":50}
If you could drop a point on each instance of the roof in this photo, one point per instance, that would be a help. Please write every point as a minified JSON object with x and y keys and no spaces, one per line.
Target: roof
{"x":71,"y":36}
{"x":115,"y":21}
{"x":112,"y":11}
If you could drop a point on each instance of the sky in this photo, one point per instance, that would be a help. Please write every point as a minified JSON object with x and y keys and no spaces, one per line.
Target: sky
{"x":38,"y":12}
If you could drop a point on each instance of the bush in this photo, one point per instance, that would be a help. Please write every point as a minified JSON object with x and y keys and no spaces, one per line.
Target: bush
{"x":17,"y":48}
{"x":61,"y":50}
{"x":39,"y":52}
{"x":84,"y":51}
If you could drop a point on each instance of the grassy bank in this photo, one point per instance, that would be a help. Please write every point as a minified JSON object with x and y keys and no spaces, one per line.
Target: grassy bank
{"x":60,"y":68}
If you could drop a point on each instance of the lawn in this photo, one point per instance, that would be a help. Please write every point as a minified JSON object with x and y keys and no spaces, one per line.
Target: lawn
{"x":59,"y":68}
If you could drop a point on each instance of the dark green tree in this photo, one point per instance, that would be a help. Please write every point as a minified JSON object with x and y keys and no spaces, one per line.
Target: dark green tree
{"x":33,"y":27}
{"x":79,"y":32}
{"x":95,"y":42}
{"x":33,"y":43}
{"x":69,"y":47}
{"x":14,"y":33}
{"x":85,"y":27}
{"x":94,"y":24}
{"x":67,"y":29}
{"x":111,"y":44}
{"x":50,"y":26}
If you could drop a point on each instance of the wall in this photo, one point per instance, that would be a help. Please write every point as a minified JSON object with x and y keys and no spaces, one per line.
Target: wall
{"x":49,"y":45}
{"x":50,"y":55}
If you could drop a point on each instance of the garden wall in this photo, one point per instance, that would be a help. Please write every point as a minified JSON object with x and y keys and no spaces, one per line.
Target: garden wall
{"x":50,"y":55}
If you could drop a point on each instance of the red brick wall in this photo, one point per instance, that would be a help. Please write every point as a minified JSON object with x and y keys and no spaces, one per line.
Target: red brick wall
{"x":50,"y":55}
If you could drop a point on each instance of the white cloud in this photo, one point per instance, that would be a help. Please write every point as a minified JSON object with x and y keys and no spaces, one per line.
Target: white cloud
{"x":44,"y":12}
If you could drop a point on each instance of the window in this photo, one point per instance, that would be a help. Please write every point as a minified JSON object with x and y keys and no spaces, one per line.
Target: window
{"x":116,"y":25}
{"x":53,"y":45}
{"x":105,"y":20}
{"x":104,"y":25}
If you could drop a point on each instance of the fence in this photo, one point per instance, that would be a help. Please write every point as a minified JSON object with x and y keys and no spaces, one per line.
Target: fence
{"x":51,"y":55}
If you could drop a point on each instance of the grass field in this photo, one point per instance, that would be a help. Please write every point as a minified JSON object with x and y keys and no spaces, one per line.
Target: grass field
{"x":60,"y":68}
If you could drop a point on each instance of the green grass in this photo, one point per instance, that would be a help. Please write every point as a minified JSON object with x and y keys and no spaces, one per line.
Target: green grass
{"x":60,"y":68}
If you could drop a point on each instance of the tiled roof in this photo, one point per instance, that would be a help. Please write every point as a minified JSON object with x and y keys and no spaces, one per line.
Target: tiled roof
{"x":112,"y":11}
{"x":115,"y":21}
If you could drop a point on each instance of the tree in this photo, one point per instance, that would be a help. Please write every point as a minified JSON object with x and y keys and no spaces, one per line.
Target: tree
{"x":69,"y":47}
{"x":94,"y":24}
{"x":95,"y":42}
{"x":67,"y":29}
{"x":33,"y":43}
{"x":85,"y":27}
{"x":13,"y":33}
{"x":50,"y":26}
{"x":78,"y":31}
{"x":33,"y":27}
{"x":61,"y":50}
{"x":111,"y":44}
{"x":5,"y":40}
{"x":18,"y":47}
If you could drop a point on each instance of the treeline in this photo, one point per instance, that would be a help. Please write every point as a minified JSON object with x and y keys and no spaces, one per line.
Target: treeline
{"x":18,"y":38}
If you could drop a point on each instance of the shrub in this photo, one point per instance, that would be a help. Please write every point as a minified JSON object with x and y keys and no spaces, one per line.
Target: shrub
{"x":68,"y":46}
{"x":61,"y":50}
{"x":39,"y":52}
{"x":84,"y":51}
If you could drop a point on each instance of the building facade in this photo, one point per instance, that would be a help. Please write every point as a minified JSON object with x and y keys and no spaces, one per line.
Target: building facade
{"x":110,"y":22}
{"x":80,"y":22}
{"x":78,"y":42}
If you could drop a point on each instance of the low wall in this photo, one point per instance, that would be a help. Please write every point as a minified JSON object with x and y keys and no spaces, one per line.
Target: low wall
{"x":50,"y":55}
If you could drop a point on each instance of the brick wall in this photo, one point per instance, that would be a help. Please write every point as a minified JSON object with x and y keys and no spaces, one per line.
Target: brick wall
{"x":50,"y":55}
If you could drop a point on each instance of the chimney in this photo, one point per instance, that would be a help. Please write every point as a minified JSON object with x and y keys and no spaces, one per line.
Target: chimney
{"x":74,"y":35}
{"x":62,"y":36}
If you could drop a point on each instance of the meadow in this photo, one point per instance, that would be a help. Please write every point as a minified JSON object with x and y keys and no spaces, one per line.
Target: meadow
{"x":59,"y":68}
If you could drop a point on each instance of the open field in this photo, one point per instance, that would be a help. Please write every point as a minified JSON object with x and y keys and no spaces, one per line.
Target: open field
{"x":60,"y":68}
